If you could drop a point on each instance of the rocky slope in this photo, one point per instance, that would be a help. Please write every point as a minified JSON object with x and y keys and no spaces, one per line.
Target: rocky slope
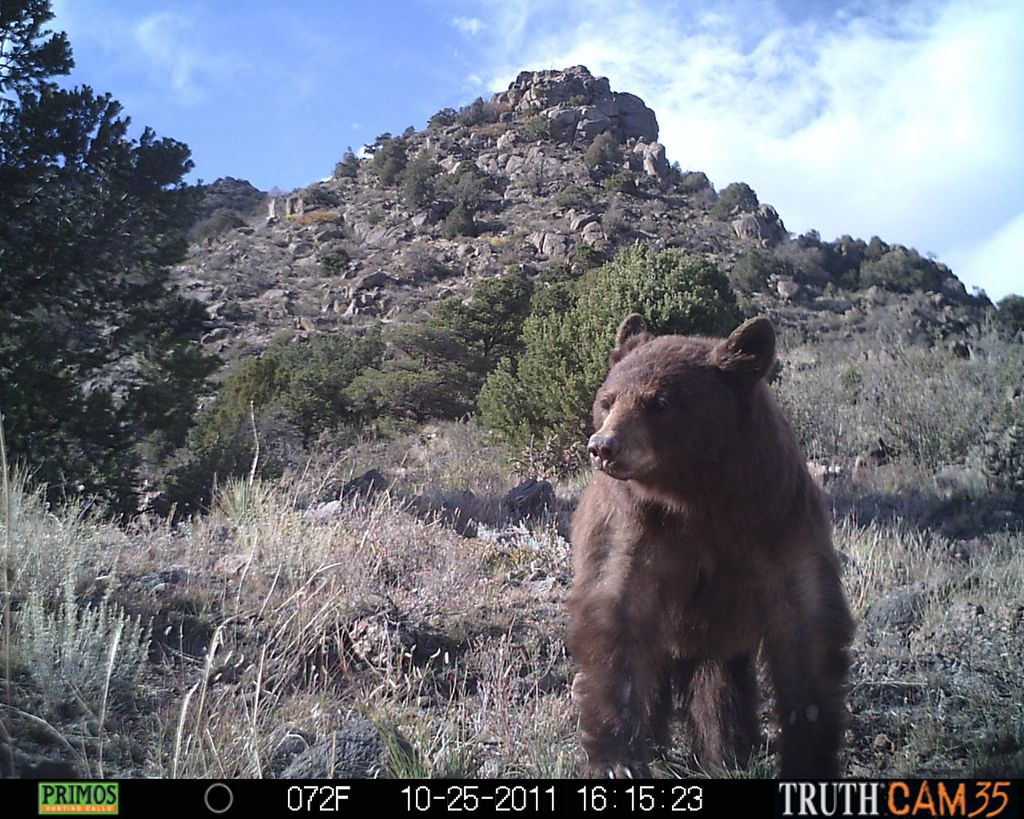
{"x":364,"y":246}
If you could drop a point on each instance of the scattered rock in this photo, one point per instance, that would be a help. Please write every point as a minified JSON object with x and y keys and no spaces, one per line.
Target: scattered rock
{"x":365,"y":486}
{"x":358,"y":749}
{"x":371,"y":280}
{"x":550,"y":244}
{"x":655,"y":162}
{"x":290,"y":743}
{"x":231,"y":564}
{"x":531,"y":498}
{"x":788,"y":289}
{"x":900,"y":610}
{"x":764,"y":227}
{"x":384,"y":640}
{"x":580,"y":220}
{"x":323,"y":512}
{"x":593,"y":235}
{"x":451,"y":510}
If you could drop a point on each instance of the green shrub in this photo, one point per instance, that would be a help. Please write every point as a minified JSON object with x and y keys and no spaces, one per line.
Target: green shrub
{"x":319,"y":196}
{"x":615,"y":220}
{"x":544,"y":396}
{"x":294,"y":392}
{"x":348,"y":168}
{"x":535,"y":127}
{"x":389,"y":158}
{"x":467,"y":185}
{"x":622,"y":182}
{"x":93,"y":655}
{"x":335,"y":261}
{"x":902,"y":271}
{"x":604,"y":150}
{"x":752,"y":271}
{"x":1004,"y":452}
{"x":214,"y":225}
{"x":693,"y":182}
{"x":419,"y":187}
{"x":572,"y":196}
{"x":477,"y":112}
{"x":459,"y":222}
{"x":1010,"y":316}
{"x":852,"y":383}
{"x":735,"y":198}
{"x":585,"y":258}
{"x":443,"y":118}
{"x":435,"y":367}
{"x":406,"y":390}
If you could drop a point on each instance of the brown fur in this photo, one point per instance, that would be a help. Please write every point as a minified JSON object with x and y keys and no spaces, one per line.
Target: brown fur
{"x":702,"y":539}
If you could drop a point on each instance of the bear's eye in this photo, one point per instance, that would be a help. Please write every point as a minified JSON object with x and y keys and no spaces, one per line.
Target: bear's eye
{"x":605,"y":402}
{"x":660,"y":403}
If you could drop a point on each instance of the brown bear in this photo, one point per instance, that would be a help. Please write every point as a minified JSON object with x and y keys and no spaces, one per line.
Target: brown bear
{"x":701,"y":539}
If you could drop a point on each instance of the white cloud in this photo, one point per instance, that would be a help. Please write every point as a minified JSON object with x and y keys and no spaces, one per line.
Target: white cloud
{"x":165,"y":40}
{"x":470,"y":26}
{"x":996,"y":260}
{"x":904,"y":122}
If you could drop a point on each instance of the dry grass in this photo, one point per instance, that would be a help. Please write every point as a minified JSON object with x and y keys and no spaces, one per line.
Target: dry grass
{"x":319,"y":217}
{"x":270,"y":620}
{"x":930,"y":407}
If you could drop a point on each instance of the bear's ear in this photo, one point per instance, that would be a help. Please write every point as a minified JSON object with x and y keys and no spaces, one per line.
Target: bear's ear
{"x":748,"y":352}
{"x":632,"y":331}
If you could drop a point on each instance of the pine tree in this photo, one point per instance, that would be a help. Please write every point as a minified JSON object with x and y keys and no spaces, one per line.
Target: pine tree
{"x":97,"y":353}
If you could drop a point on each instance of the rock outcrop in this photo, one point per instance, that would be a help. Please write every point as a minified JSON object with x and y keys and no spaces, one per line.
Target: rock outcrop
{"x":580,"y":105}
{"x":347,"y":253}
{"x":232,"y":194}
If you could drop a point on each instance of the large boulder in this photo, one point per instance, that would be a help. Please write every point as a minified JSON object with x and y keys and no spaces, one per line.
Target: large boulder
{"x":532,"y":498}
{"x":579,"y":105}
{"x":765,"y":228}
{"x":652,"y":155}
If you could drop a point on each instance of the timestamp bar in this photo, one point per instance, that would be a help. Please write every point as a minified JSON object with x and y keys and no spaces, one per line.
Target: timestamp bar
{"x":991,"y":799}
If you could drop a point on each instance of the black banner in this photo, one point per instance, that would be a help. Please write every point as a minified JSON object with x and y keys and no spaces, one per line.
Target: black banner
{"x":968,"y":798}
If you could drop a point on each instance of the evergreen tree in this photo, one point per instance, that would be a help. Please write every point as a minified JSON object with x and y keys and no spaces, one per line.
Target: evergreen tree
{"x":1010,"y":315}
{"x":97,"y":353}
{"x":545,"y":395}
{"x":348,"y":168}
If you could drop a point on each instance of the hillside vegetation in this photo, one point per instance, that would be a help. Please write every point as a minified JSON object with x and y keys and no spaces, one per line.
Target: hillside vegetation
{"x":259,"y":452}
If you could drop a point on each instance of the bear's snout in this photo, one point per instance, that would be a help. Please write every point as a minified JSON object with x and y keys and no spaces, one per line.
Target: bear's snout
{"x":603,"y":449}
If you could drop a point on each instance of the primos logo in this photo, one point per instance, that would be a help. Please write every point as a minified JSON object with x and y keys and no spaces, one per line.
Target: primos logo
{"x":78,"y":798}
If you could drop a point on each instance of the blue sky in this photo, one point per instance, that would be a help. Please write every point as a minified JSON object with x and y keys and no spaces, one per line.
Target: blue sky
{"x":898,"y":119}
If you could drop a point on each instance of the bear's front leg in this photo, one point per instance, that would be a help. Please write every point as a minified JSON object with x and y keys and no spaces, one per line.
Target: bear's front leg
{"x":807,"y":649}
{"x":623,"y":688}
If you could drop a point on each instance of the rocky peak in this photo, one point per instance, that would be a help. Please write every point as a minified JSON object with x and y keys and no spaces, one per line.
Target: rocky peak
{"x":359,"y":249}
{"x":548,"y":89}
{"x":579,"y":105}
{"x":232,"y":194}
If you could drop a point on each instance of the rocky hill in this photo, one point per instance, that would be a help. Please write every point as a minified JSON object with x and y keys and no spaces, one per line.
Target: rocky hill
{"x":557,"y":170}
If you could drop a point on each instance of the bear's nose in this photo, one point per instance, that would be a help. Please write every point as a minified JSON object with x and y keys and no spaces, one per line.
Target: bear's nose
{"x":603,"y":448}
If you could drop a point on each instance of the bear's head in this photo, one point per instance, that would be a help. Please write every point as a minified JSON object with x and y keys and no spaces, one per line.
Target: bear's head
{"x":673,"y":407}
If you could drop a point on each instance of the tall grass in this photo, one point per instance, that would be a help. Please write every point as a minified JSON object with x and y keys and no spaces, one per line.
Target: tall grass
{"x":929,"y":406}
{"x":279,"y":621}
